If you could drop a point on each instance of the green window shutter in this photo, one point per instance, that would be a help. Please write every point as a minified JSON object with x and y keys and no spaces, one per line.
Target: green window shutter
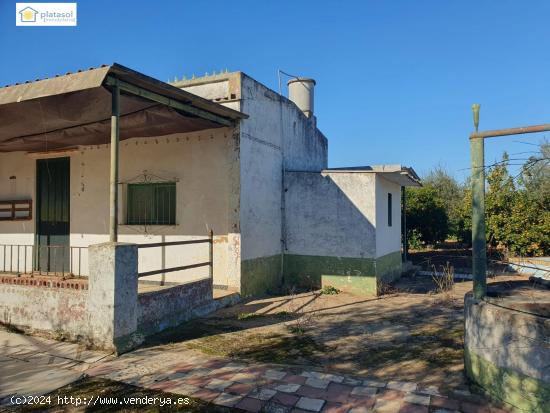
{"x":151,"y":204}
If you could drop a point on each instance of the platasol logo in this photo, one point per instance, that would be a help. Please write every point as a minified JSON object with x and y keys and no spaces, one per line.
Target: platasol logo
{"x":45,"y":14}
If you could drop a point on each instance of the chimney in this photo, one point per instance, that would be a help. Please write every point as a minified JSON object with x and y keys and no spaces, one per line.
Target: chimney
{"x":300,"y":91}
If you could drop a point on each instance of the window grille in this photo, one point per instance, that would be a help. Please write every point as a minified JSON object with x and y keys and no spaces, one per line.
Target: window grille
{"x":151,"y":203}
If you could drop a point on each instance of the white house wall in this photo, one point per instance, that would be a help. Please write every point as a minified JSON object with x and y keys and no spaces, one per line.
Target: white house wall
{"x":276,"y":136}
{"x":388,"y":239}
{"x":205,"y":166}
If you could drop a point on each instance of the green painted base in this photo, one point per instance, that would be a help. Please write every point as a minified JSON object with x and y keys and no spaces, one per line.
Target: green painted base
{"x":260,"y":275}
{"x":525,"y":393}
{"x":361,"y":276}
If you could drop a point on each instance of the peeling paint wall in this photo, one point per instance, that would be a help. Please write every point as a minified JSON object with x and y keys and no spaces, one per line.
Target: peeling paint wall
{"x":337,"y":231}
{"x":276,"y":136}
{"x":206,"y":168}
{"x":62,"y":312}
{"x":159,"y":310}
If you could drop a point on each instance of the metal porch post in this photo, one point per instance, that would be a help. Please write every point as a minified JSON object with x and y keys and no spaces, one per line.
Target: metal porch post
{"x":113,"y":202}
{"x":479,"y":254}
{"x":405,"y":241}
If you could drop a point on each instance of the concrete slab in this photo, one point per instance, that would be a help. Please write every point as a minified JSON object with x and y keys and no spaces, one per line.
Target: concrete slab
{"x":33,"y":366}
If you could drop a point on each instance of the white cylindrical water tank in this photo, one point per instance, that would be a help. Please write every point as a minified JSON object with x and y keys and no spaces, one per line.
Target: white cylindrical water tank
{"x":300,"y":91}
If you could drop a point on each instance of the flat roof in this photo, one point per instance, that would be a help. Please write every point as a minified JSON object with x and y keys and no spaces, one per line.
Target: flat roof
{"x":402,"y":175}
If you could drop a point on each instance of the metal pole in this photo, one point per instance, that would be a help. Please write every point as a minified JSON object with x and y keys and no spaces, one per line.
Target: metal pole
{"x":478,"y":217}
{"x":115,"y":118}
{"x":211,"y":253}
{"x":404,"y":223}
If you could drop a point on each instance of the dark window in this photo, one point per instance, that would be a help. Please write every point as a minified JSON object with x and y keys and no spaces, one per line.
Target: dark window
{"x":151,"y":204}
{"x":389,"y":210}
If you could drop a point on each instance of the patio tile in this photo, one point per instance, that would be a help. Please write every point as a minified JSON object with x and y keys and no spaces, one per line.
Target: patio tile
{"x":287,"y":388}
{"x":317,"y":383}
{"x":413,"y":408}
{"x":292,"y":378}
{"x":402,"y":386}
{"x":417,"y":399}
{"x":197,"y":381}
{"x":444,"y":403}
{"x":331,"y":407}
{"x":244,"y":378}
{"x":313,"y":405}
{"x":217,"y":384}
{"x":338,"y":392}
{"x":262,"y":394}
{"x":389,"y":406}
{"x":272,"y":407}
{"x":311,"y":392}
{"x":360,"y":409}
{"x":249,"y":404}
{"x":240,"y":388}
{"x":206,"y":394}
{"x":374,"y":383}
{"x":286,"y":399}
{"x":351,"y":381}
{"x":364,"y":391}
{"x":274,"y":374}
{"x":391,"y":395}
{"x":228,"y":400}
{"x":184,"y":389}
{"x":361,"y":402}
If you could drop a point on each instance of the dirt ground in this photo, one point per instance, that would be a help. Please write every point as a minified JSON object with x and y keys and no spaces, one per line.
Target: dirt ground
{"x":411,"y":334}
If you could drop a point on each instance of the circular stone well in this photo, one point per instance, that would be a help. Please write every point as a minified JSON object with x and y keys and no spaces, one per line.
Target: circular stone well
{"x":507,"y":344}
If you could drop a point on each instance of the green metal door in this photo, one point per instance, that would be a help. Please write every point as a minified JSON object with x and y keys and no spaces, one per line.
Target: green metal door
{"x":52,"y":215}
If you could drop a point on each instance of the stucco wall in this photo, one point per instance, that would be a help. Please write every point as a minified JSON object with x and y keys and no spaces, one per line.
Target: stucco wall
{"x":333,"y":224}
{"x":507,"y":352}
{"x":159,"y":310}
{"x":205,"y":166}
{"x":276,"y":136}
{"x":62,"y":312}
{"x":388,"y":239}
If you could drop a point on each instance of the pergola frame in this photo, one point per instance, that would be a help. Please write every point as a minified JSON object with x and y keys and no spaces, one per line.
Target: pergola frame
{"x":479,"y":242}
{"x":116,"y":86}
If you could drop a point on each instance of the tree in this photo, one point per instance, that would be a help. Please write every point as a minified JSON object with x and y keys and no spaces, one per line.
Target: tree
{"x":451,"y":195}
{"x":426,"y":214}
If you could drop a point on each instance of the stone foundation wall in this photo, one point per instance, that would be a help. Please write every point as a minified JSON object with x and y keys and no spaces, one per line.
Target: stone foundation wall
{"x":162,"y":309}
{"x":56,"y":311}
{"x":507,"y":353}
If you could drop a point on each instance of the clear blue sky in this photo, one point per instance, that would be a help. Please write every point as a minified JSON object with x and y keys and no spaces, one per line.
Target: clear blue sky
{"x":395,"y":79}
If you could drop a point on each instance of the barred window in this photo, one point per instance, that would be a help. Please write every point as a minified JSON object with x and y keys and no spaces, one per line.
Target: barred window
{"x":151,"y":204}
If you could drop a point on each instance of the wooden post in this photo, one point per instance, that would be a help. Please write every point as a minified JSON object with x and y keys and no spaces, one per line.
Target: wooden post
{"x":113,"y":206}
{"x":211,"y":254}
{"x":479,"y":254}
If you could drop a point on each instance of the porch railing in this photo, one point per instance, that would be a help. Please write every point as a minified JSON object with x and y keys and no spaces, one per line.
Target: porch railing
{"x":56,"y":260}
{"x":209,"y":263}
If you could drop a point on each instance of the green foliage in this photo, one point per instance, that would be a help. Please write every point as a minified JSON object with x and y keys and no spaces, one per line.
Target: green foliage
{"x":450,"y":193}
{"x":517,"y":216}
{"x":517,"y":210}
{"x":426,"y":214}
{"x":414,"y":239}
{"x":329,"y":290}
{"x":248,"y":316}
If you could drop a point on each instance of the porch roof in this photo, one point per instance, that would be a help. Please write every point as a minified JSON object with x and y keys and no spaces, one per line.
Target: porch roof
{"x":75,"y":109}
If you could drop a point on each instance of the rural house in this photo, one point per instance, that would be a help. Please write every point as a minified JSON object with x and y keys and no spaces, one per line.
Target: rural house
{"x":212,"y":183}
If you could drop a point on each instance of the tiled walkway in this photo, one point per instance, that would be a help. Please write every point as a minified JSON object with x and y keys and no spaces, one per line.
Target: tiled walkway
{"x":271,"y":388}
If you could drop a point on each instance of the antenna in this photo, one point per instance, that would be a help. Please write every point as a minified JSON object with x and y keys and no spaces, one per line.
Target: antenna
{"x":279,"y":73}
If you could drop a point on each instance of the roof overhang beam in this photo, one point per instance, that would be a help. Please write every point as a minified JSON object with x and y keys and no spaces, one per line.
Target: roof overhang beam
{"x":112,"y":81}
